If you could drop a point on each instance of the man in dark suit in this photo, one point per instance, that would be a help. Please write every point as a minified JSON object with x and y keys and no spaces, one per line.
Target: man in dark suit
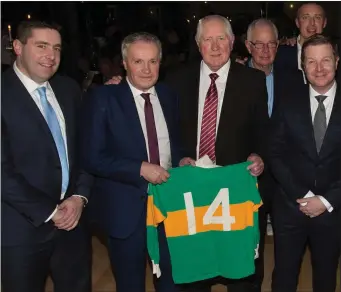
{"x":305,"y":155}
{"x":262,"y":44}
{"x":310,"y":19}
{"x":130,"y":140}
{"x":43,"y":190}
{"x":238,"y":99}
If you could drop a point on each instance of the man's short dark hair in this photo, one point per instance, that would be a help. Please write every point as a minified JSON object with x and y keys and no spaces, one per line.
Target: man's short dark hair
{"x":25,"y":28}
{"x":318,"y":39}
{"x":309,"y":3}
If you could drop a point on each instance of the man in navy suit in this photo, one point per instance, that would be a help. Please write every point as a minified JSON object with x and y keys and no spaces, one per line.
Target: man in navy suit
{"x":43,"y":190}
{"x":305,"y":157}
{"x":130,"y":140}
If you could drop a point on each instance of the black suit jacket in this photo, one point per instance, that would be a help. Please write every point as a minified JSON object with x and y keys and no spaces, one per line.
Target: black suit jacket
{"x":293,"y":157}
{"x":243,"y":119}
{"x":30,"y":167}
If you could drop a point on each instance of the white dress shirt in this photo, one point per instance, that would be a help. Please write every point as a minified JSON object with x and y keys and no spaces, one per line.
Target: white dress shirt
{"x":31,"y":86}
{"x":205,"y":82}
{"x":299,"y":53}
{"x":328,"y":103}
{"x":160,"y":123}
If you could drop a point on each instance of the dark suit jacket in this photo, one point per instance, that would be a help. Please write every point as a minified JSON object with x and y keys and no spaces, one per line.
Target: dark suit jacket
{"x":114,"y":149}
{"x":243,"y":119}
{"x":30,"y":167}
{"x":267,"y":184}
{"x":286,"y":58}
{"x":294,"y":160}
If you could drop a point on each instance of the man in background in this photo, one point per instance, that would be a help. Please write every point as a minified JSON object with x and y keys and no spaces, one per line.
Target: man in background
{"x":310,"y":19}
{"x":262,"y":44}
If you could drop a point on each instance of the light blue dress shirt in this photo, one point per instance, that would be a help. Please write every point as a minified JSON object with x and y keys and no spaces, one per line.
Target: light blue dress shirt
{"x":269,"y":87}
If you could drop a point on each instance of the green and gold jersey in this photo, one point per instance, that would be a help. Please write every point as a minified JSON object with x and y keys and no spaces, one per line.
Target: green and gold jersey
{"x":211,"y":222}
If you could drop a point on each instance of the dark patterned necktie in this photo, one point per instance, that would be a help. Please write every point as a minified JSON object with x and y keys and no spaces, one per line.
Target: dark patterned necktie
{"x":320,"y":122}
{"x":153,"y":145}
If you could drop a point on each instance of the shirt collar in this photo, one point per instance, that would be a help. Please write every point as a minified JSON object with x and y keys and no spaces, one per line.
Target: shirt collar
{"x":137,"y":92}
{"x":222,"y":72}
{"x":251,"y":65}
{"x":29,"y":84}
{"x":299,"y":47}
{"x":330,"y":93}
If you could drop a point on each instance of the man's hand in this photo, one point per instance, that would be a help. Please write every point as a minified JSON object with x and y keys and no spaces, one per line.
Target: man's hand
{"x":257,"y":167}
{"x":187,"y":161}
{"x":58,"y":216}
{"x":288,"y":41}
{"x":241,"y":60}
{"x":72,"y":208}
{"x":114,"y":80}
{"x":313,"y":206}
{"x":153,"y":173}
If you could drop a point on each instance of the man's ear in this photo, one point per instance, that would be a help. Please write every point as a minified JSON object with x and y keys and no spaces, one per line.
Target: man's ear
{"x":17,"y":46}
{"x":124,"y":65}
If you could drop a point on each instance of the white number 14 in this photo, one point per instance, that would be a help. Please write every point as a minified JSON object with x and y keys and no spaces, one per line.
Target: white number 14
{"x":223,"y":199}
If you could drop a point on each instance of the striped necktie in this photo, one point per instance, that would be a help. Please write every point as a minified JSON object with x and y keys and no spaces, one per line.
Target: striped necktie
{"x":209,"y":121}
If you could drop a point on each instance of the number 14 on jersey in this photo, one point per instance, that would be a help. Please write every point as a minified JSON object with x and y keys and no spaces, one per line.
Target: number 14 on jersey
{"x":223,"y":199}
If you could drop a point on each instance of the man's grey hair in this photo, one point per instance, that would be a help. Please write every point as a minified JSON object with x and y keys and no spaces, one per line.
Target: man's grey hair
{"x":260,"y":22}
{"x":227,"y":24}
{"x":140,"y":36}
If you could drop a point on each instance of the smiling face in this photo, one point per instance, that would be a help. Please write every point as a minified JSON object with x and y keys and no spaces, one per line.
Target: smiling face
{"x":39,"y":58}
{"x":310,"y":20}
{"x":320,"y":65}
{"x":142,"y":62}
{"x":214,"y":44}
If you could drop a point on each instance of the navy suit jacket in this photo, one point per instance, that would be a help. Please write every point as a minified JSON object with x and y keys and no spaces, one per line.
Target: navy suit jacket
{"x":286,"y":58}
{"x":293,"y":157}
{"x":114,"y":149}
{"x":30,"y":167}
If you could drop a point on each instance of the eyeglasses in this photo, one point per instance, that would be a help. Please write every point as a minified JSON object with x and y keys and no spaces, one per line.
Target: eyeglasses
{"x":260,"y":46}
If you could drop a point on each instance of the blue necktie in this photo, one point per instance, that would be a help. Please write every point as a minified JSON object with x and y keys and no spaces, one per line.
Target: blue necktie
{"x":56,"y":132}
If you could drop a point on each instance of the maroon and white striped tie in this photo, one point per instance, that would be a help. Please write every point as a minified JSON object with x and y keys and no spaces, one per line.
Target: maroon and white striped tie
{"x":209,"y":121}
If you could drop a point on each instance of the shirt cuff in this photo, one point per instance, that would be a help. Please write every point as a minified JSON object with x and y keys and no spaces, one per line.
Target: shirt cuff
{"x":86,"y":199}
{"x":308,"y":195}
{"x":54,"y":212}
{"x":327,"y":204}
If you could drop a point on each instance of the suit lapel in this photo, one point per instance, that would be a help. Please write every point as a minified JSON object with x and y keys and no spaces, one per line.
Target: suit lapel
{"x":228,"y":108}
{"x":334,"y":126}
{"x":29,"y":107}
{"x":275,"y":89}
{"x":128,"y":105}
{"x":303,"y":119}
{"x":192,"y":107}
